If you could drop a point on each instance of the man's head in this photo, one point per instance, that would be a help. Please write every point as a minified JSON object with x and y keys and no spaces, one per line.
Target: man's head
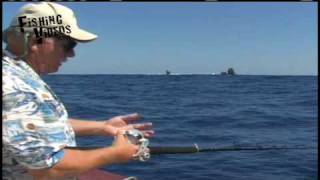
{"x":44,"y":34}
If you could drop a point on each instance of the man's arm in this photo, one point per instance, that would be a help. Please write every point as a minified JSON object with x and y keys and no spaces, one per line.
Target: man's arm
{"x":77,"y":162}
{"x":111,"y":126}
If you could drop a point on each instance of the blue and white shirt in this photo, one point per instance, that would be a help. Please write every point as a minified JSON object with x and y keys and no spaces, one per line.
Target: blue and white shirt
{"x":35,"y":123}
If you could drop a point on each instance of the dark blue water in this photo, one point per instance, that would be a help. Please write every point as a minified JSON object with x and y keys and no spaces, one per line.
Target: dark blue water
{"x":208,"y":110}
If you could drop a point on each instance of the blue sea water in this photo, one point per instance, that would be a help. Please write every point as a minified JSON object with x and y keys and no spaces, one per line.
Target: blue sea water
{"x":210,"y":111}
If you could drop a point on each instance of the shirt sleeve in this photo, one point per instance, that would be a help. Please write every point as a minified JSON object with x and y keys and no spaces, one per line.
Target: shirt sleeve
{"x":33,"y":133}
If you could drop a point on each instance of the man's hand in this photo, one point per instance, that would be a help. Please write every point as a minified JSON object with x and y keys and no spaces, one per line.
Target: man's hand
{"x":125,"y":150}
{"x":113,"y":125}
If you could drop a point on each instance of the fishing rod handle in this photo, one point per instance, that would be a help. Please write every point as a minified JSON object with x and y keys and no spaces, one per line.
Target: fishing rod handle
{"x":173,"y":150}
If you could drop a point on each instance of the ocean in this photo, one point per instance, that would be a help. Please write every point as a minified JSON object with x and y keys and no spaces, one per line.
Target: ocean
{"x":210,"y":111}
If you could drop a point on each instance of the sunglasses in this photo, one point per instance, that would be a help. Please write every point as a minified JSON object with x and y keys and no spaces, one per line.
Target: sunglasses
{"x":67,"y":43}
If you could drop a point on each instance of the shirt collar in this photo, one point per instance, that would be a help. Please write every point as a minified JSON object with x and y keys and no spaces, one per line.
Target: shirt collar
{"x":9,"y":54}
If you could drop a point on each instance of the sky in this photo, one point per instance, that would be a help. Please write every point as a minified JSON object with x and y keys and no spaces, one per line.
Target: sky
{"x":261,"y":38}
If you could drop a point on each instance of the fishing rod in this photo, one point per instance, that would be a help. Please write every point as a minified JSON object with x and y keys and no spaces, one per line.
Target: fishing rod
{"x":195,"y":149}
{"x":136,"y":137}
{"x":157,"y":150}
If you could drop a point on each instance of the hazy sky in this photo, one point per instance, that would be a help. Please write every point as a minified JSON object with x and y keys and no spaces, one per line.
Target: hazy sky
{"x":267,"y":38}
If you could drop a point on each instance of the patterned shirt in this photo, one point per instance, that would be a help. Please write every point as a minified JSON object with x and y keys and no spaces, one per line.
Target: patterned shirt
{"x":35,"y":123}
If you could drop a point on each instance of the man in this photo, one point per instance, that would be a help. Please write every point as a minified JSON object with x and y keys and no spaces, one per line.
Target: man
{"x":36,"y":127}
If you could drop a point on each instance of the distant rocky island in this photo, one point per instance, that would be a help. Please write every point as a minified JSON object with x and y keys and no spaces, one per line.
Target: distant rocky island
{"x":230,"y":71}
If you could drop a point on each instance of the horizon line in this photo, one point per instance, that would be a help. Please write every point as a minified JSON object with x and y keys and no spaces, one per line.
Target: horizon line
{"x":177,"y":74}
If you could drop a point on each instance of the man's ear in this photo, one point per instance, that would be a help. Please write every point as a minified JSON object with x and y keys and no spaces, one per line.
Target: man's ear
{"x":35,"y":42}
{"x":34,"y":47}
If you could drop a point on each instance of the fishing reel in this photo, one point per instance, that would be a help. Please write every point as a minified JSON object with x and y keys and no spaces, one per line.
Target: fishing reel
{"x":136,"y":137}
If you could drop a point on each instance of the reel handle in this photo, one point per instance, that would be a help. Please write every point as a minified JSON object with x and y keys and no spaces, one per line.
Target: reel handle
{"x":133,"y":136}
{"x":136,"y":137}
